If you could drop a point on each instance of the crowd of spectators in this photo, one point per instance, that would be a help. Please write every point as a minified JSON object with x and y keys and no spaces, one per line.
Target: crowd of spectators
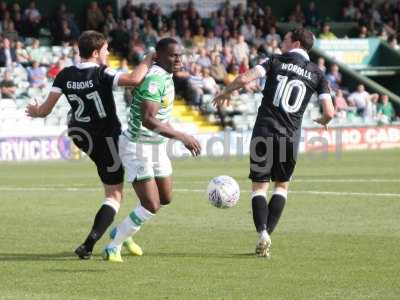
{"x":216,"y":48}
{"x":359,"y":102}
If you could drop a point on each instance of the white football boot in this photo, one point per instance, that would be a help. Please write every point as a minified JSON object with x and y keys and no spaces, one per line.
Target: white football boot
{"x":263,"y":246}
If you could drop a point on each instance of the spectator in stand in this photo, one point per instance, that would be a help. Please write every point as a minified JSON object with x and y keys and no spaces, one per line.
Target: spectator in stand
{"x":203,"y":60}
{"x":269,"y":19}
{"x":56,"y":68}
{"x":199,"y":39}
{"x":94,"y":17}
{"x":8,"y":56}
{"x":7,"y":86}
{"x":35,"y":52}
{"x":16,"y":15}
{"x":326,"y":33}
{"x":363,"y":101}
{"x":363,"y":34}
{"x":217,"y":69}
{"x":297,"y":15}
{"x":273,"y":35}
{"x":3,"y":9}
{"x":227,"y":56}
{"x":253,"y":9}
{"x":156,"y":17}
{"x":191,"y":12}
{"x":65,"y":34}
{"x":240,"y":11}
{"x":209,"y":84}
{"x":383,"y":35}
{"x":334,"y":77}
{"x":233,"y":37}
{"x":233,"y":72}
{"x":392,"y":40}
{"x":254,"y":58}
{"x":150,"y":36}
{"x":311,"y":15}
{"x":22,"y":55}
{"x":32,"y":19}
{"x":63,"y":26}
{"x":226,"y":37}
{"x":127,"y":9}
{"x":386,"y":113}
{"x":133,"y":22}
{"x":36,"y":75}
{"x":221,"y":26}
{"x":213,"y":42}
{"x":259,"y":39}
{"x":248,"y":30}
{"x":187,"y":41}
{"x":244,"y":65}
{"x":234,"y":26}
{"x":240,"y":49}
{"x":178,"y":15}
{"x":196,"y":86}
{"x":120,"y":39}
{"x":341,"y":106}
{"x":10,"y":32}
{"x":321,"y":64}
{"x":109,"y":24}
{"x":174,"y":35}
{"x":349,"y":11}
{"x":270,"y":48}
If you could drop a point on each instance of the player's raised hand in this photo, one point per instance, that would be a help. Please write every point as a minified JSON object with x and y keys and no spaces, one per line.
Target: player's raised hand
{"x":222,"y":99}
{"x":32,"y":109}
{"x":191,"y":144}
{"x":322,"y":121}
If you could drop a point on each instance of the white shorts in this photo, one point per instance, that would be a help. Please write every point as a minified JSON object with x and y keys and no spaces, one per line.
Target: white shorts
{"x":144,"y":161}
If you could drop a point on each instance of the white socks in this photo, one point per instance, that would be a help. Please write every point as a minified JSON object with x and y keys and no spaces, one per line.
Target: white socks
{"x":112,"y":203}
{"x":264,"y":236}
{"x":129,"y":226}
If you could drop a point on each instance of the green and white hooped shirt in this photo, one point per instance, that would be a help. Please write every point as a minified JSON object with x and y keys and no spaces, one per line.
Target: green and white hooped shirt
{"x":157,"y":86}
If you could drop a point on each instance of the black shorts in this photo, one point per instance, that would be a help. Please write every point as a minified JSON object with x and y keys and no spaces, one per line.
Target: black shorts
{"x":103,"y":151}
{"x":272,"y":156}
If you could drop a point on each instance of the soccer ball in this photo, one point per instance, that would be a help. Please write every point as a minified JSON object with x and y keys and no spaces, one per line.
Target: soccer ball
{"x":223,"y":191}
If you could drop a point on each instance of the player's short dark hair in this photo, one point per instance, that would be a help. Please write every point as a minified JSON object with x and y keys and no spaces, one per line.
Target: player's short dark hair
{"x":89,"y":41}
{"x":305,"y":37}
{"x":164,"y":43}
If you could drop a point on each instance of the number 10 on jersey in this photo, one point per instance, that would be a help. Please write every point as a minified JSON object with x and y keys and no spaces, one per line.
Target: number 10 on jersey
{"x":284,"y":92}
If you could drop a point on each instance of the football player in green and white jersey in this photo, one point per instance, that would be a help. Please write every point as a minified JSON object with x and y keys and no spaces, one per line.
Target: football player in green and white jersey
{"x":143,"y":146}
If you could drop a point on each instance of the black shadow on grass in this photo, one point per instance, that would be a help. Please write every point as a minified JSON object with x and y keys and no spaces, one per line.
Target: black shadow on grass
{"x":37,"y":256}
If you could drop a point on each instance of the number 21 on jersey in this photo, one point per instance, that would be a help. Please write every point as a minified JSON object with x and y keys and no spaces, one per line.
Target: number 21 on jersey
{"x":81,"y":106}
{"x":284,"y":92}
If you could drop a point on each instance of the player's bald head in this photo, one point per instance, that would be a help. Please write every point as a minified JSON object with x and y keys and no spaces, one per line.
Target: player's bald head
{"x":163,"y":45}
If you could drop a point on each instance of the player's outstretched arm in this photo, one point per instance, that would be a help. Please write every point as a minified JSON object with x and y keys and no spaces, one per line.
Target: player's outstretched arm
{"x":37,"y":110}
{"x":135,"y":77}
{"x":328,"y":111}
{"x":237,"y":84}
{"x":149,"y":120}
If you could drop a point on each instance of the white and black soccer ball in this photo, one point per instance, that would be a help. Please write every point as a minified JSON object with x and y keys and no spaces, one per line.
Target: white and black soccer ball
{"x":223,"y":192}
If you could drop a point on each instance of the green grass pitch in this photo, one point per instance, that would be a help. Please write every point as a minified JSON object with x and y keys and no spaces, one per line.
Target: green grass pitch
{"x":339,"y":236}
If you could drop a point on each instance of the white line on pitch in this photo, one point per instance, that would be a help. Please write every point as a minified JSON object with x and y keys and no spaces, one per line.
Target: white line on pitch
{"x":178,"y":190}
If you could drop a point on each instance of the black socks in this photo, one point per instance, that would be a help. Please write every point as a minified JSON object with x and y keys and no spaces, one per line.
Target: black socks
{"x":260,"y":212}
{"x":275,"y":208}
{"x":102,"y":221}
